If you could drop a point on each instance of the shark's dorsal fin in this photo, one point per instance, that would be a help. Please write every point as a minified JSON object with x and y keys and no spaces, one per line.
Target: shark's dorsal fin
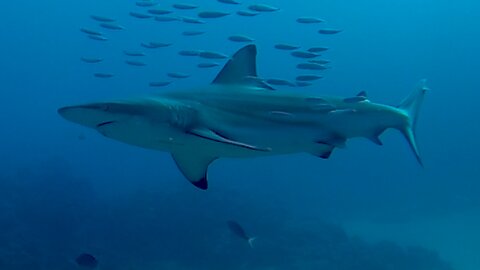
{"x":240,"y":68}
{"x":242,"y":65}
{"x":362,"y":94}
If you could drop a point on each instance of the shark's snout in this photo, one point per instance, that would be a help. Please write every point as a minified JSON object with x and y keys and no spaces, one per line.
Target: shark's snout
{"x":89,"y":115}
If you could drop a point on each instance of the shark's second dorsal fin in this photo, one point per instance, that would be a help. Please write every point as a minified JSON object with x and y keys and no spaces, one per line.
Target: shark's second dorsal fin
{"x":240,"y":68}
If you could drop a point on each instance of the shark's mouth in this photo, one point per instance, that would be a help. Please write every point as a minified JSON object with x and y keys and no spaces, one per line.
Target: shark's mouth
{"x":103,"y":124}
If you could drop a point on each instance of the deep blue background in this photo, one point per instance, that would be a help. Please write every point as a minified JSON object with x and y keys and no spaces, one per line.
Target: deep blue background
{"x":386,"y":48}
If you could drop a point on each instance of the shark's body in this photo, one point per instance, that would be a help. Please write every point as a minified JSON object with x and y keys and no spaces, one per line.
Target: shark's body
{"x":239,"y":116}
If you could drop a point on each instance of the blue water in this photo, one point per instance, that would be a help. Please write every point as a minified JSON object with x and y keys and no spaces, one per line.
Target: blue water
{"x":65,"y":190}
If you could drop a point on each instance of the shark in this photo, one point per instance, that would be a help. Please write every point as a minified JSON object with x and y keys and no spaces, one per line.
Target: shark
{"x":238,"y":115}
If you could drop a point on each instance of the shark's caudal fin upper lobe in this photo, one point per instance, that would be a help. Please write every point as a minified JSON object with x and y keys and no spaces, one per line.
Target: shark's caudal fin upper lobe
{"x":411,"y":106}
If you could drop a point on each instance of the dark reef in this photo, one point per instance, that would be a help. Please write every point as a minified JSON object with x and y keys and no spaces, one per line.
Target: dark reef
{"x":49,"y":216}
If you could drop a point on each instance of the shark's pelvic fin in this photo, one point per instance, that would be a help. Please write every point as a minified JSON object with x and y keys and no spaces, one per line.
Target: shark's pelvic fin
{"x":411,"y":106}
{"x":324,"y":154}
{"x":241,"y":68}
{"x":194,"y":167}
{"x":214,"y":136}
{"x":376,"y":140}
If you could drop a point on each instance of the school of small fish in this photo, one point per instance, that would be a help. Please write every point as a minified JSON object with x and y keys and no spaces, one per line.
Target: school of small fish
{"x":192,"y":16}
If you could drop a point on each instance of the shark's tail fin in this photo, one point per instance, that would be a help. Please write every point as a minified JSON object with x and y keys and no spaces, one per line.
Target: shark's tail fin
{"x":411,"y":106}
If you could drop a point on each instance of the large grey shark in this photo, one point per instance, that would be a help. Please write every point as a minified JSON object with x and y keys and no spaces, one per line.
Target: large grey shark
{"x":239,"y":116}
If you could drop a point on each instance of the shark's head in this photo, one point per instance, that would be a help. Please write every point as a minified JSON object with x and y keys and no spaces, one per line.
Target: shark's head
{"x":144,"y":123}
{"x":95,"y":115}
{"x":92,"y":115}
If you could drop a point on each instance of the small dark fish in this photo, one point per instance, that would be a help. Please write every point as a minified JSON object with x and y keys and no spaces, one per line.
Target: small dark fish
{"x":286,"y":47}
{"x":96,"y":37}
{"x":212,"y":14}
{"x":253,"y":79}
{"x":246,"y":13}
{"x":319,"y":61}
{"x":233,"y":2}
{"x":188,"y":53}
{"x":317,"y":49}
{"x":155,"y":45}
{"x":311,"y":66}
{"x":86,"y":261}
{"x":90,"y":32}
{"x":207,"y":65}
{"x":147,"y":45}
{"x":238,"y":230}
{"x":91,"y":60}
{"x":192,"y":20}
{"x":135,"y":63}
{"x":239,"y":38}
{"x":279,"y":82}
{"x":112,"y":26}
{"x":159,"y":84}
{"x":309,"y":20}
{"x":315,"y":103}
{"x":344,"y":112}
{"x":307,"y":78}
{"x":103,"y":75}
{"x":159,"y":44}
{"x":192,"y":33}
{"x":262,"y":8}
{"x":303,"y":84}
{"x":166,"y":19}
{"x":185,"y":6}
{"x":140,"y":15}
{"x":212,"y":55}
{"x":303,"y":54}
{"x":329,"y":31}
{"x":159,"y":11}
{"x":101,"y":18}
{"x":145,"y":3}
{"x":178,"y":75}
{"x":134,"y":53}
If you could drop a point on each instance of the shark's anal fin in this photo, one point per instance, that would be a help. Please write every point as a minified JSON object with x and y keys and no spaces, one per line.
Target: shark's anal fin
{"x":325,"y":154}
{"x":214,"y":136}
{"x":324,"y":151}
{"x":194,"y":167}
{"x":375,"y":137}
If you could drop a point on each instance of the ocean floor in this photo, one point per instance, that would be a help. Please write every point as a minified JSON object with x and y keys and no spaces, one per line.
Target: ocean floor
{"x":456,"y":237}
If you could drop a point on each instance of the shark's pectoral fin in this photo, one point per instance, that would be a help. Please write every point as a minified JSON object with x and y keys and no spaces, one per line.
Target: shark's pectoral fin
{"x":194,"y":167}
{"x":209,"y":134}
